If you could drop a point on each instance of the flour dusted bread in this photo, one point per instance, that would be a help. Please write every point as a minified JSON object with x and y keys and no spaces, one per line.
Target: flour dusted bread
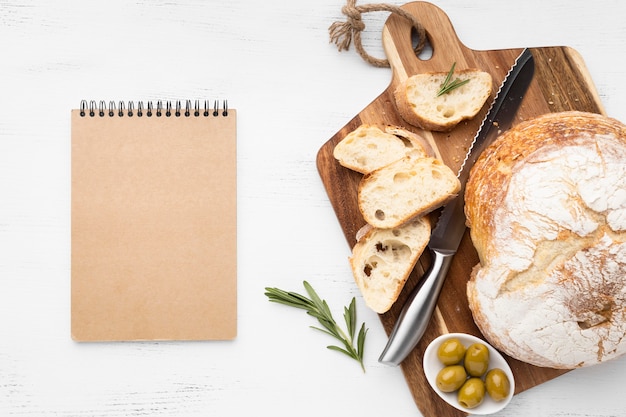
{"x":546,"y":204}
{"x":383,"y":259}
{"x":418,"y":103}
{"x":407,"y":188}
{"x":368,"y":147}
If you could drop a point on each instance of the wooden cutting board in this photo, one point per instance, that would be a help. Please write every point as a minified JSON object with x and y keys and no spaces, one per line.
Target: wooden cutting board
{"x":561,"y":83}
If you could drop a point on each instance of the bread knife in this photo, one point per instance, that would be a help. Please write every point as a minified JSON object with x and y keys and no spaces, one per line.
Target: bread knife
{"x":450,"y":228}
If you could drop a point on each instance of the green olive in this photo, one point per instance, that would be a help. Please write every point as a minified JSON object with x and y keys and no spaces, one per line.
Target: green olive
{"x":451,"y":351}
{"x":476,"y":359}
{"x":451,"y":378}
{"x":472,"y":393}
{"x":497,"y":384}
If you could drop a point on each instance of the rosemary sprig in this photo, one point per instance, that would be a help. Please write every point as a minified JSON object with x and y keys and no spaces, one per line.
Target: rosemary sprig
{"x":319,"y":309}
{"x":448,"y":85}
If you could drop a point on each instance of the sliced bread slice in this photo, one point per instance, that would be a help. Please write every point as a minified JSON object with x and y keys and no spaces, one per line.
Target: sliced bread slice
{"x":418,"y":103}
{"x":407,"y":188}
{"x":368,"y":147}
{"x":383,"y":259}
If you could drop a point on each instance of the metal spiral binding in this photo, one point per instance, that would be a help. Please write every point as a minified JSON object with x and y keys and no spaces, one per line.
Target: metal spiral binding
{"x":101,"y":109}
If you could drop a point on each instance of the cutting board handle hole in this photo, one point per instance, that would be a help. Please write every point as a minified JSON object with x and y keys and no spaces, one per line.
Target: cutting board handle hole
{"x":427,"y":52}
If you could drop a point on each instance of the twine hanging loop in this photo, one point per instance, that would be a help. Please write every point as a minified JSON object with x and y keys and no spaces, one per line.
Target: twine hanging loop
{"x":343,"y":33}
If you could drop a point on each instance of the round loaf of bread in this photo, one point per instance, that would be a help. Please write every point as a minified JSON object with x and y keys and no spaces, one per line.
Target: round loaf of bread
{"x":546,"y":204}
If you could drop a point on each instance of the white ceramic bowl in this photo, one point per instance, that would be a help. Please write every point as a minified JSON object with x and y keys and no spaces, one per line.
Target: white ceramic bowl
{"x":432,"y":366}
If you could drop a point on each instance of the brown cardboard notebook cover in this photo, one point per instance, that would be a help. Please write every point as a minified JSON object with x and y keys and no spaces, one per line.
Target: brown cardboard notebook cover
{"x":154,"y":212}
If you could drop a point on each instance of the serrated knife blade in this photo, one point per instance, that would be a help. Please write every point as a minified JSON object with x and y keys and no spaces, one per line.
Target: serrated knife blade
{"x":450,"y":228}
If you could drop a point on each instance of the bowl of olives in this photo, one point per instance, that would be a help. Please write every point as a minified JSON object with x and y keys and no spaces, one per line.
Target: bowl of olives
{"x":468,"y":373}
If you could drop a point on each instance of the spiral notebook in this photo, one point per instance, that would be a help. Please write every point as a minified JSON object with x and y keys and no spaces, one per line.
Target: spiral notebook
{"x":154,"y":216}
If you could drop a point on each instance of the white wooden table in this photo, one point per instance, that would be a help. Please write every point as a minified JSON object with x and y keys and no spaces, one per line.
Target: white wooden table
{"x":293,"y":90}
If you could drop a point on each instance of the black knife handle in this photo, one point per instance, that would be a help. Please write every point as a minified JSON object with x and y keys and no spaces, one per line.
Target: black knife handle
{"x":417,"y":311}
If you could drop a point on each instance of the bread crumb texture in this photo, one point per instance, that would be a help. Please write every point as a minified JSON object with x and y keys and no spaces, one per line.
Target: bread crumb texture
{"x":418,"y":103}
{"x":546,"y":203}
{"x":383,"y":259}
{"x":402,"y":182}
{"x":407,"y":188}
{"x":368,"y":147}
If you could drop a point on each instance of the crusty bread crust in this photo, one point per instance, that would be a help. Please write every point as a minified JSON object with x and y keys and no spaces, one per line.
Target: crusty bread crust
{"x":491,"y":174}
{"x":418,"y":104}
{"x":546,"y":207}
{"x":383,"y":259}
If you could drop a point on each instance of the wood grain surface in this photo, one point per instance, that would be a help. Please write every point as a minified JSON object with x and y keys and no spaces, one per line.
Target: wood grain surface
{"x":561,"y":82}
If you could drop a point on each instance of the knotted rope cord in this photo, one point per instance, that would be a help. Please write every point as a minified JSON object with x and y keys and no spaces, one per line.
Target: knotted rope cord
{"x":342,"y":33}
